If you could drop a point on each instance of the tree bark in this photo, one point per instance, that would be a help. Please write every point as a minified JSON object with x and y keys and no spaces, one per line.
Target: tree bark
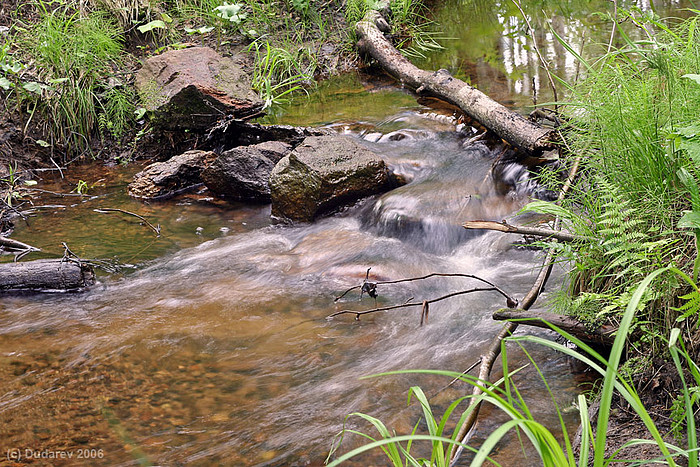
{"x":601,"y":336}
{"x":10,"y":244}
{"x":524,"y":230}
{"x":507,"y":124}
{"x":46,"y":275}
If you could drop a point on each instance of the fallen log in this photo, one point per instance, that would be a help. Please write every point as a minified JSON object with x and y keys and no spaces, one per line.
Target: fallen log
{"x":603,"y":335}
{"x":510,"y":126}
{"x":46,"y":275}
{"x":524,"y":230}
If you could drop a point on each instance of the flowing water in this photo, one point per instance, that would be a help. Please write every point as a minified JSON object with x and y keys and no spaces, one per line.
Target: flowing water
{"x":211,"y":345}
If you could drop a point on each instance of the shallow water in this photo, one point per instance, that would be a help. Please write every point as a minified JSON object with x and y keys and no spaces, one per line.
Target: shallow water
{"x":211,"y":344}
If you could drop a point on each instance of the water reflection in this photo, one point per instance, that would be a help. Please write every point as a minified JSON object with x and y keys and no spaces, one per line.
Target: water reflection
{"x":490,"y":48}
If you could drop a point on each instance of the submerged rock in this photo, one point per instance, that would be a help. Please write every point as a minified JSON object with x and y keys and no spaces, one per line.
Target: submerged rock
{"x":324,"y":173}
{"x":243,"y":173}
{"x":177,"y":174}
{"x":193,"y":88}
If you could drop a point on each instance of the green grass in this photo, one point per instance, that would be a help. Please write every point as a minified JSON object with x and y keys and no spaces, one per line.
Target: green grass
{"x":634,"y":122}
{"x":71,"y":91}
{"x":505,"y":396}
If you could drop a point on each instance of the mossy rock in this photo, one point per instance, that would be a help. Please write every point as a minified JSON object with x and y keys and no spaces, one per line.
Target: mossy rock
{"x":325,"y":173}
{"x":191,"y":89}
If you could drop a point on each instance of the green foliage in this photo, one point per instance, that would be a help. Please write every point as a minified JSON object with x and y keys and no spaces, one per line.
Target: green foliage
{"x":13,"y":186}
{"x":301,"y":6}
{"x":74,"y":57}
{"x":81,"y":187}
{"x":411,"y":25}
{"x":634,"y":122}
{"x":279,"y":72}
{"x":505,"y":396}
{"x":355,"y":10}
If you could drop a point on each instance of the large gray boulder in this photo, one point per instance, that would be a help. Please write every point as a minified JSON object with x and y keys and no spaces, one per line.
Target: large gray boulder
{"x":243,"y":173}
{"x":165,"y":179}
{"x":193,"y":88}
{"x":324,"y":173}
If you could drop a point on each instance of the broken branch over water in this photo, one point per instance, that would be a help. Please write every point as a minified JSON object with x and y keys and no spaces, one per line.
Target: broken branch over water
{"x":21,"y":249}
{"x":424,"y":303}
{"x":603,"y":335}
{"x":511,"y":302}
{"x":524,"y":230}
{"x":507,"y":124}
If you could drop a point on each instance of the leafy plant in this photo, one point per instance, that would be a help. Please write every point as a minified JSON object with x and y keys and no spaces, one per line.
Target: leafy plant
{"x":301,"y":6}
{"x":81,"y":188}
{"x":13,"y":190}
{"x":505,"y":396}
{"x":75,"y":56}
{"x":278,"y":73}
{"x":231,"y":12}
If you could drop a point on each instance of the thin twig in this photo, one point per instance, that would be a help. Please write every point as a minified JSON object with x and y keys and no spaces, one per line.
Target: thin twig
{"x":15,"y":244}
{"x":156,"y":229}
{"x":58,"y":167}
{"x":614,"y":26}
{"x":435,"y":274}
{"x":410,"y":304}
{"x":54,"y":193}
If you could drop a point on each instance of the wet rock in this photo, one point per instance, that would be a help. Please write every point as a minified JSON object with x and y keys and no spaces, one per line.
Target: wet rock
{"x":176,"y":175}
{"x":324,"y":173}
{"x":193,"y":88}
{"x":231,"y":133}
{"x":243,"y":173}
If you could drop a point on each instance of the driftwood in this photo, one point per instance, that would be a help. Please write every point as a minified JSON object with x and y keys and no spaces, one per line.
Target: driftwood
{"x":524,"y":230}
{"x":45,"y":275}
{"x":603,"y":335}
{"x":507,"y":124}
{"x":11,"y":244}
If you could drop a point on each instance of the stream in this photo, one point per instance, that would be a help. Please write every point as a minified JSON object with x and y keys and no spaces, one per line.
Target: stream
{"x":210,"y":345}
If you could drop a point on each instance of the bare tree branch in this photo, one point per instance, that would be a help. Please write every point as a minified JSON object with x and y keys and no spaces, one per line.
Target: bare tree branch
{"x":512,"y":302}
{"x":603,"y":335}
{"x":524,"y":230}
{"x":423,"y":303}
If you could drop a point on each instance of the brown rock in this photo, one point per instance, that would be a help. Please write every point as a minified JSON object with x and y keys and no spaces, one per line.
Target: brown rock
{"x":324,"y":173}
{"x":193,"y":88}
{"x":243,"y":173}
{"x":176,"y":175}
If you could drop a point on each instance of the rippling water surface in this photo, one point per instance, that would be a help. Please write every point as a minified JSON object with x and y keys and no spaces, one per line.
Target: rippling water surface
{"x":214,"y":347}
